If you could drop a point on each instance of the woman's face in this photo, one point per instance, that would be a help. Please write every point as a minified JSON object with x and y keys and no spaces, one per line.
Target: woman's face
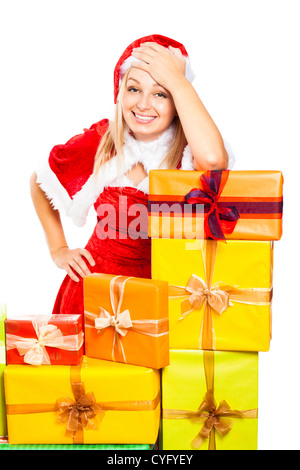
{"x":148,"y":108}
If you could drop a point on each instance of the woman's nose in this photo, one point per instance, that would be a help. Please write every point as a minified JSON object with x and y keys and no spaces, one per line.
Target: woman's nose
{"x":144,"y":103}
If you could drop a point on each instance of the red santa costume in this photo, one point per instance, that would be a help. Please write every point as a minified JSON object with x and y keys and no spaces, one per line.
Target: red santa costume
{"x":68,"y":181}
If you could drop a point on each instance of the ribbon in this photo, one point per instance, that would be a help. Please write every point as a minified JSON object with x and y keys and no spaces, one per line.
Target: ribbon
{"x":81,"y":412}
{"x":219,"y":220}
{"x":214,"y":297}
{"x":121,"y":321}
{"x":34,"y":349}
{"x":215,"y":418}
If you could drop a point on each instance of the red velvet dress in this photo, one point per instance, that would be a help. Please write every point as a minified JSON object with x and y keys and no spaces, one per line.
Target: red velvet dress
{"x":67,"y":181}
{"x":112,"y":252}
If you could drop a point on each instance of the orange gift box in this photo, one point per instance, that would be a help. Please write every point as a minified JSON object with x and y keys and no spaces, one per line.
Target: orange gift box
{"x":126,"y":320}
{"x":237,"y":205}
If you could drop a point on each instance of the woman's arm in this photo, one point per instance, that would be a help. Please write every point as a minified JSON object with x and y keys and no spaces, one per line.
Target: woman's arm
{"x":201,"y":132}
{"x":167,"y":67}
{"x":64,"y":257}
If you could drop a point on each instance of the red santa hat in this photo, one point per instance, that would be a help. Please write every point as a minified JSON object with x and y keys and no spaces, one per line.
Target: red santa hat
{"x":125,"y":61}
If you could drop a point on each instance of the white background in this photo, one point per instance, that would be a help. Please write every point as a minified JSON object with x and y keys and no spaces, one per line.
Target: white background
{"x":57,"y":60}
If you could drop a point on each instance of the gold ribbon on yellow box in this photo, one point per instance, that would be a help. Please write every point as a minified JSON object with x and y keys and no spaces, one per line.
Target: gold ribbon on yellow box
{"x":214,"y":418}
{"x":82,"y":412}
{"x":216,"y":297}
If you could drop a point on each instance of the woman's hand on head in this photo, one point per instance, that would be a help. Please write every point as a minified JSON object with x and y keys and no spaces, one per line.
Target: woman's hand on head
{"x":164,"y":65}
{"x":72,"y":261}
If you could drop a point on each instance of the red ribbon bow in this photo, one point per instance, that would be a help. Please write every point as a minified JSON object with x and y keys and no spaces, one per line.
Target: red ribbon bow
{"x":220,"y":219}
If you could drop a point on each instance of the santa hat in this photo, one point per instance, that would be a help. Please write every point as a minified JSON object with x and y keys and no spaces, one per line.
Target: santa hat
{"x":126,"y":59}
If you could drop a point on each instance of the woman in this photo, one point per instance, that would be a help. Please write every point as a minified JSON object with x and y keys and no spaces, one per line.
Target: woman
{"x":160,"y":122}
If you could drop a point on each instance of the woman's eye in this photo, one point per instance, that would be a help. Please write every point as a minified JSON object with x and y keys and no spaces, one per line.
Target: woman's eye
{"x":161,"y":95}
{"x":132,"y":89}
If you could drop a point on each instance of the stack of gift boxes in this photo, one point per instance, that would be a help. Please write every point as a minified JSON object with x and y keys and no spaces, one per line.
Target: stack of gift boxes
{"x":216,"y":253}
{"x":175,"y":356}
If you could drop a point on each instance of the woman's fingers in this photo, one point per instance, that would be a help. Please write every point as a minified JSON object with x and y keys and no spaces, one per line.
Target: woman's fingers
{"x":72,"y":261}
{"x":79,"y":266}
{"x":176,"y":51}
{"x":143,"y":56}
{"x":152,"y":46}
{"x":78,"y":263}
{"x":71,"y":274}
{"x":163,"y":64}
{"x":87,"y":255}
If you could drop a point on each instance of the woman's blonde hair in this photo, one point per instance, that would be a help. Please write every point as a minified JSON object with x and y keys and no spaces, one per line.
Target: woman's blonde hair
{"x":113,"y":140}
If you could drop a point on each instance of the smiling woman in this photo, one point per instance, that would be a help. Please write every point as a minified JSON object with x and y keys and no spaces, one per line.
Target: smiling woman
{"x":159,"y":122}
{"x":148,"y":108}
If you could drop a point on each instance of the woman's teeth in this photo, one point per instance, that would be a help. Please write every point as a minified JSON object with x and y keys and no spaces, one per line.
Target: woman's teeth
{"x":144,"y":118}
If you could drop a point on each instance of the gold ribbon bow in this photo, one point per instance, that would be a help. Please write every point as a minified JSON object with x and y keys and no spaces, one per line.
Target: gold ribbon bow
{"x":121,"y":321}
{"x":215,"y":418}
{"x":217,"y":296}
{"x":34,"y":349}
{"x":214,"y":297}
{"x":82,"y":412}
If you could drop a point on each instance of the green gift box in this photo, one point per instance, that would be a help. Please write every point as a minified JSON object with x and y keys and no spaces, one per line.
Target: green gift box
{"x":4,"y":445}
{"x":210,"y":401}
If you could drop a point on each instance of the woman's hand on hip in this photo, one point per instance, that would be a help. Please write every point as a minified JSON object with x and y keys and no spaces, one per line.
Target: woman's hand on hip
{"x":72,"y":261}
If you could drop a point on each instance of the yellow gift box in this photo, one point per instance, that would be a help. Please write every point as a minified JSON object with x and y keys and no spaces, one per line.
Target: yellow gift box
{"x":97,"y":402}
{"x":210,"y":401}
{"x":219,"y":293}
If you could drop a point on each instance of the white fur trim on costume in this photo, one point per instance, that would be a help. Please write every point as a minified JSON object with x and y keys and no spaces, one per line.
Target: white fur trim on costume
{"x":76,"y":208}
{"x":150,"y":154}
{"x":55,"y":192}
{"x":231,"y":156}
{"x":187,"y":162}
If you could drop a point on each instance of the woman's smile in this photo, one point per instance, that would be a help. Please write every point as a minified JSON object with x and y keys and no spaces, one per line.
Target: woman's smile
{"x":143,"y":118}
{"x":148,"y":108}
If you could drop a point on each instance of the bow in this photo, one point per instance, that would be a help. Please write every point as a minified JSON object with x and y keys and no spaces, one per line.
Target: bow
{"x":217,"y":296}
{"x":220,"y":218}
{"x":79,"y":413}
{"x":121,"y":322}
{"x":34,"y":349}
{"x":212,"y":416}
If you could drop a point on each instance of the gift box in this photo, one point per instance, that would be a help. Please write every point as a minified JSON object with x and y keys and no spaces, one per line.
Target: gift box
{"x":39,"y":339}
{"x":4,"y":445}
{"x":126,"y":320}
{"x":3,"y":427}
{"x":236,"y":205}
{"x":220,"y":294}
{"x":210,"y":401}
{"x":96,"y":402}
